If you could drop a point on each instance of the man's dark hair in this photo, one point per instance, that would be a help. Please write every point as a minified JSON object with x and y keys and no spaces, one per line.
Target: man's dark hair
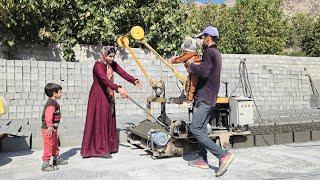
{"x":213,"y":38}
{"x":52,"y":87}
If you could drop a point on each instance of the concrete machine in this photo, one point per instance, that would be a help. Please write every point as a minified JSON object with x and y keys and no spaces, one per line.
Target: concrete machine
{"x":166,"y":137}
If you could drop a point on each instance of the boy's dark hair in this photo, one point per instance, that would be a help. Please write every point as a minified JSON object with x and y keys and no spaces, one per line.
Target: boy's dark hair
{"x":52,"y":87}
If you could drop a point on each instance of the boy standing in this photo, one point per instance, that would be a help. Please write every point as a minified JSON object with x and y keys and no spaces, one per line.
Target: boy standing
{"x":50,"y":122}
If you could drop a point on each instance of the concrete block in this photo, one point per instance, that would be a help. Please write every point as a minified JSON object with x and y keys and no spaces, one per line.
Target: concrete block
{"x":70,"y":137}
{"x":283,"y":138}
{"x":19,"y":88}
{"x":26,"y":76}
{"x":10,"y":69}
{"x":18,"y":82}
{"x":26,"y":63}
{"x":17,"y":69}
{"x":18,"y":63}
{"x":36,"y":141}
{"x":315,"y":135}
{"x":34,"y":70}
{"x":3,"y":69}
{"x":242,"y":141}
{"x":41,"y":64}
{"x":264,"y":140}
{"x":10,"y":143}
{"x":49,"y":64}
{"x":26,"y":69}
{"x":33,"y":64}
{"x":3,"y":87}
{"x":56,"y":65}
{"x":48,"y":70}
{"x":11,"y":89}
{"x":3,"y":62}
{"x":63,"y":65}
{"x":70,"y":65}
{"x":18,"y":76}
{"x":10,"y":63}
{"x":303,"y":136}
{"x":4,"y":116}
{"x":35,"y":115}
{"x":27,"y":115}
{"x":12,"y":115}
{"x":20,"y":115}
{"x":3,"y":75}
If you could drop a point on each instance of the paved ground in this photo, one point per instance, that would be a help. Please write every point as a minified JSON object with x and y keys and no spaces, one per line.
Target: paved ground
{"x":294,"y":161}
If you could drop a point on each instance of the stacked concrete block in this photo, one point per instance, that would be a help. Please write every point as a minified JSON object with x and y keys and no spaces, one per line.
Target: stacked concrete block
{"x":279,"y":85}
{"x":3,"y":76}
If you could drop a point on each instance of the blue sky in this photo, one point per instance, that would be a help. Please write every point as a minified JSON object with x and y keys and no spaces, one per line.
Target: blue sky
{"x":205,"y":1}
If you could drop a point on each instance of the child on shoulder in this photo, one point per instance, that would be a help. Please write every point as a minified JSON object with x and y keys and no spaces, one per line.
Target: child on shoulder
{"x":189,"y":48}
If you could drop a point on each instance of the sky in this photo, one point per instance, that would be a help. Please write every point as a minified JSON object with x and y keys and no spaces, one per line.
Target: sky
{"x":205,"y":1}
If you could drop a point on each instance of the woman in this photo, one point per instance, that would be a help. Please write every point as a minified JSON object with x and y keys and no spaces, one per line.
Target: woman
{"x":100,"y":133}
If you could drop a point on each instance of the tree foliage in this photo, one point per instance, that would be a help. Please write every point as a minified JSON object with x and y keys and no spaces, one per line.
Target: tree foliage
{"x":98,"y":22}
{"x":251,"y":26}
{"x":311,"y":40}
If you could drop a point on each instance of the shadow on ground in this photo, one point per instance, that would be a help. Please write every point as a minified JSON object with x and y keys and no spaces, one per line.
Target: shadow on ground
{"x":5,"y":157}
{"x":71,"y":152}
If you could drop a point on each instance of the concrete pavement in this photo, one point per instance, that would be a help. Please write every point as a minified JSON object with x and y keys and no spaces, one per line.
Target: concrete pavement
{"x":293,"y":161}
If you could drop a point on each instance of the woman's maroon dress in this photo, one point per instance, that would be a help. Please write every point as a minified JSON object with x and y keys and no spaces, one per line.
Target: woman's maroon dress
{"x":100,"y":132}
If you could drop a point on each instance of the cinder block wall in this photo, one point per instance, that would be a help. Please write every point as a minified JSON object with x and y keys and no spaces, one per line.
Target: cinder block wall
{"x":279,"y":85}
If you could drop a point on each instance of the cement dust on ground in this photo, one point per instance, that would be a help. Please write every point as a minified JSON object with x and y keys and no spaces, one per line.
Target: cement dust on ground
{"x":293,"y":161}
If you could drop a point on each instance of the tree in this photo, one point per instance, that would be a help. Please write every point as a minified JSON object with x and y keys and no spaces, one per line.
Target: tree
{"x":300,"y":26}
{"x":260,"y":27}
{"x":251,"y":27}
{"x":98,"y":22}
{"x":311,"y":41}
{"x":19,"y":21}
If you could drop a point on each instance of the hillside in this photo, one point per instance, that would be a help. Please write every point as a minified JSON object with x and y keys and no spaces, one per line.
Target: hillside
{"x":292,"y":7}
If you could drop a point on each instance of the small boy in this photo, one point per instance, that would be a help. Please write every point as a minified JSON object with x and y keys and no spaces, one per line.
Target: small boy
{"x":50,"y":122}
{"x":189,"y":48}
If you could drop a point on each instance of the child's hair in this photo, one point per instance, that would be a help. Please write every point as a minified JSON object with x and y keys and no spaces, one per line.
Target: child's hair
{"x":52,"y":87}
{"x":190,"y":44}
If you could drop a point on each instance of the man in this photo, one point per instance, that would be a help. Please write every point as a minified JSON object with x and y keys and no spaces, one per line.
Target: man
{"x":208,"y":73}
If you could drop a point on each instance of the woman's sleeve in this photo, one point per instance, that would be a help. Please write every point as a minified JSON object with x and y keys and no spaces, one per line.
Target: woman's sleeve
{"x":123,"y":73}
{"x":99,"y":70}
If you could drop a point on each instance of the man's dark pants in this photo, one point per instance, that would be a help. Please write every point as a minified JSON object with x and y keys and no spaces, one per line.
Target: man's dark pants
{"x":200,"y":118}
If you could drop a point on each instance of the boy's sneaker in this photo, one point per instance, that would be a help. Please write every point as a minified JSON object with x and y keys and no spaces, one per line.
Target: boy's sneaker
{"x":224,"y":163}
{"x":199,"y":163}
{"x":59,"y":162}
{"x":49,"y":167}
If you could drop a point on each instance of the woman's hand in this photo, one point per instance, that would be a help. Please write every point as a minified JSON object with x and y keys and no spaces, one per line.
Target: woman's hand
{"x":138,"y":84}
{"x":123,"y":92}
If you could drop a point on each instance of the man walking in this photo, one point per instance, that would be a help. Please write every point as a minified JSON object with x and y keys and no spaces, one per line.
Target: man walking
{"x":208,"y":73}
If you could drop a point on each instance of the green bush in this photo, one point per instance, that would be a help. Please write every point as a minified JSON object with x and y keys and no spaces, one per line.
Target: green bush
{"x":250,"y":27}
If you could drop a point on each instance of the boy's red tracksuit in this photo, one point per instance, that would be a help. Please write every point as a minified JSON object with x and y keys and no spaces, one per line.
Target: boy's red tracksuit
{"x":50,"y":118}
